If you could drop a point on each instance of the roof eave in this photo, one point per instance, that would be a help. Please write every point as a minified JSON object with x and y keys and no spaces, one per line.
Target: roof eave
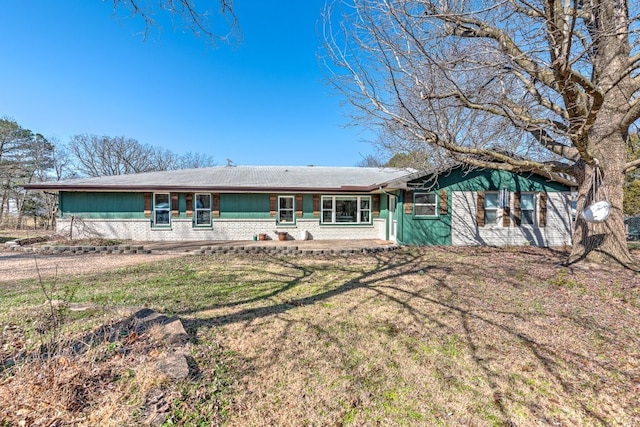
{"x":213,"y":189}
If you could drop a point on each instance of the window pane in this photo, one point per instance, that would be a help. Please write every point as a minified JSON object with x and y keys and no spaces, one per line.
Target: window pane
{"x":365,"y":202}
{"x":490,"y":216}
{"x":425,"y":210}
{"x":327,"y":203}
{"x":162,"y":217}
{"x":491,"y":200}
{"x":203,"y":201}
{"x":326,"y":216}
{"x":526,"y":217}
{"x":526,"y":202}
{"x":286,"y":202}
{"x":203,"y":217}
{"x":364,"y":216}
{"x":161,"y":201}
{"x":425,"y":198}
{"x":346,"y":210}
{"x":286,"y":216}
{"x":345,"y":218}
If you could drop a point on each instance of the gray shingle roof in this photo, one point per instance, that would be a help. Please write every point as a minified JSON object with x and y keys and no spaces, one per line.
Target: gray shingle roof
{"x":239,"y":178}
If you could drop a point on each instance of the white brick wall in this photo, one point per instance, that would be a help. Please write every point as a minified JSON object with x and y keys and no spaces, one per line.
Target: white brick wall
{"x":223,"y":229}
{"x":465,"y":230}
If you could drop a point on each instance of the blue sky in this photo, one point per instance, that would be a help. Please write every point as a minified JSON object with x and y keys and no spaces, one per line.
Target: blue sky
{"x":70,"y":67}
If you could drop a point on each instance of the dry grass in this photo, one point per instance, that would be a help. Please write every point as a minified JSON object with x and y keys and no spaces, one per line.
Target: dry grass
{"x":433,"y":336}
{"x":438,"y":337}
{"x":98,"y":378}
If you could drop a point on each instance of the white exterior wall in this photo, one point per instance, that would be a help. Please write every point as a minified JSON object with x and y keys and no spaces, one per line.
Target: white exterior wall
{"x":465,"y":230}
{"x":222,"y":229}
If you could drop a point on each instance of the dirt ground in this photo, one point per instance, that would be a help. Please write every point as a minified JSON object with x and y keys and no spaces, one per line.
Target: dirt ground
{"x":20,"y":265}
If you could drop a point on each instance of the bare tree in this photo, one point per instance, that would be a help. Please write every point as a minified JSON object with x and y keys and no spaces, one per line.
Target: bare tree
{"x":105,"y":156}
{"x":191,"y":160}
{"x":220,"y":25}
{"x":544,"y":86}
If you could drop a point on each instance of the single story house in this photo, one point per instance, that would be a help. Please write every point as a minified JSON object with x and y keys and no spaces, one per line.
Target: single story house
{"x":456,"y":207}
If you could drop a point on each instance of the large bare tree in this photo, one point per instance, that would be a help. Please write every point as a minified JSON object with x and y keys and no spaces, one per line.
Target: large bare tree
{"x":544,"y":86}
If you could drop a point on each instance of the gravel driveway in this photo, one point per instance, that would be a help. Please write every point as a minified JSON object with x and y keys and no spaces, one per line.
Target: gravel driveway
{"x":20,"y":265}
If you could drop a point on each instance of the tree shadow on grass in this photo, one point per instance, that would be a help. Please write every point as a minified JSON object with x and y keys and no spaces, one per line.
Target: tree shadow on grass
{"x":446,"y":293}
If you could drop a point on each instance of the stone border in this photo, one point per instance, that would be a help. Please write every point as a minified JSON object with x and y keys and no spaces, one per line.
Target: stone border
{"x":291,"y":250}
{"x":209,"y":250}
{"x":61,"y":249}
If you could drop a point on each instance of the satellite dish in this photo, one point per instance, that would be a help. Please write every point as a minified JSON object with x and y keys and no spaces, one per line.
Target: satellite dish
{"x":597,"y":212}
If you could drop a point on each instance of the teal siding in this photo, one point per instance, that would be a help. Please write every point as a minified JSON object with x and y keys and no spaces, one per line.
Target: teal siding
{"x":101,"y":205}
{"x":182,"y":205}
{"x":250,"y":206}
{"x":427,"y":230}
{"x":307,"y":206}
{"x":493,"y":180}
{"x":437,"y":231}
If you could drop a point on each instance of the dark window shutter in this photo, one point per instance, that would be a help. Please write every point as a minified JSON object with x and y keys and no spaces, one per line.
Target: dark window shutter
{"x":480,"y":209}
{"x":189,"y":199}
{"x":147,"y":204}
{"x":316,"y":205}
{"x":542,"y":218}
{"x":299,"y":205}
{"x":174,"y":205}
{"x":506,"y":214}
{"x":408,"y":202}
{"x":216,"y":205}
{"x":272,"y":205}
{"x":376,"y":205}
{"x":516,"y":209}
{"x":443,"y":202}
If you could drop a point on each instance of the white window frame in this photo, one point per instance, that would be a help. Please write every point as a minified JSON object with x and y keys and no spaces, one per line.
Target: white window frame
{"x":198,"y":210}
{"x":532,"y":210}
{"x":416,"y":205}
{"x":334,"y":216}
{"x":282,"y":210}
{"x":497,"y":209}
{"x":158,"y":210}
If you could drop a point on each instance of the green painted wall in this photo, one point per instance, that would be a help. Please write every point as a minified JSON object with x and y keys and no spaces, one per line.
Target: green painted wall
{"x":493,"y":180}
{"x":250,"y":206}
{"x":307,"y":206}
{"x":104,"y":205}
{"x":425,"y":231}
{"x":101,"y":205}
{"x":437,"y":231}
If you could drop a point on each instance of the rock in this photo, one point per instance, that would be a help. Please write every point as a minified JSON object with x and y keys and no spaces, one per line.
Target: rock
{"x":174,"y":366}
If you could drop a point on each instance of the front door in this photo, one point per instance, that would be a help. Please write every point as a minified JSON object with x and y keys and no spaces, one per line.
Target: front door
{"x":393,"y":220}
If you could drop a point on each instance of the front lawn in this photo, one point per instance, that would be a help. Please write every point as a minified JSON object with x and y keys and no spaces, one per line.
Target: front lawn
{"x":432,"y":336}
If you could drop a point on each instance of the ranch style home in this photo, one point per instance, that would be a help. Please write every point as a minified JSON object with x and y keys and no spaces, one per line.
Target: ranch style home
{"x":455,"y":207}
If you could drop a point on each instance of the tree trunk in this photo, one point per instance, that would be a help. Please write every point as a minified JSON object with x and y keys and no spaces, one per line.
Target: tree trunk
{"x":603,"y":242}
{"x":3,"y":213}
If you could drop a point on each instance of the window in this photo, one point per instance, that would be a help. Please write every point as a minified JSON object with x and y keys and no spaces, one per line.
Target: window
{"x":346,"y":209}
{"x":527,"y":208}
{"x":203,"y":209}
{"x":161,"y":209}
{"x":490,"y":208}
{"x":286,"y":208}
{"x":425,"y":204}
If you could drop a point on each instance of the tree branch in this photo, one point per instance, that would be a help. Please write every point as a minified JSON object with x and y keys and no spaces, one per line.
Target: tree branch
{"x":631,"y":166}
